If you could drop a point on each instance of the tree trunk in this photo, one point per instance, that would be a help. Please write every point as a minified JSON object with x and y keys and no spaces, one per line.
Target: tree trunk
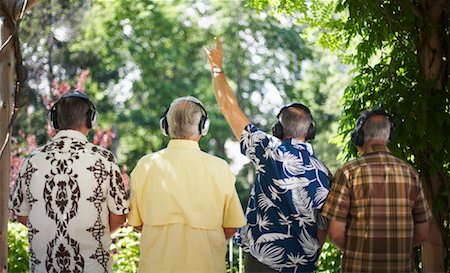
{"x":432,"y":50}
{"x":6,"y":98}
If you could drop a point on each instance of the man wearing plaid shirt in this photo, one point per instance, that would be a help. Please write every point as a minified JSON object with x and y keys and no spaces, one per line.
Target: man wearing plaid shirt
{"x":376,"y":205}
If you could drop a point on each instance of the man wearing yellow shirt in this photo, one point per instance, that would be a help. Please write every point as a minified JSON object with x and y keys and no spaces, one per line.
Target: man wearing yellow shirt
{"x":184,"y":199}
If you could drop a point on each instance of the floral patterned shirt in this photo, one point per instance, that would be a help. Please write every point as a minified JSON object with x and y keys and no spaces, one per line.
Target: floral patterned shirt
{"x":283,"y":212}
{"x":67,"y":189}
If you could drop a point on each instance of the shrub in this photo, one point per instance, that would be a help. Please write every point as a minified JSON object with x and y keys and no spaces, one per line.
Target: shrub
{"x":330,"y":259}
{"x":17,"y":248}
{"x":125,"y":250}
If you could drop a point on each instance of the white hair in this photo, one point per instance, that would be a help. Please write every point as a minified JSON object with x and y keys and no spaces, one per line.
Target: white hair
{"x":295,"y":121}
{"x":184,"y":117}
{"x":377,"y":129}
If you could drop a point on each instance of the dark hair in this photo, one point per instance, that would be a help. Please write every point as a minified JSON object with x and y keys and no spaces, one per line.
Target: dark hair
{"x":72,"y":113}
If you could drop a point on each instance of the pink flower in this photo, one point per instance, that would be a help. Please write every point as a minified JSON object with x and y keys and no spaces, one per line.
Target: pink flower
{"x":125,"y":177}
{"x":83,"y":77}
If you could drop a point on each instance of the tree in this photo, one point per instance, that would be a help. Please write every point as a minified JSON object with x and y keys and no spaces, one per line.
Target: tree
{"x":161,"y":44}
{"x":401,"y":58}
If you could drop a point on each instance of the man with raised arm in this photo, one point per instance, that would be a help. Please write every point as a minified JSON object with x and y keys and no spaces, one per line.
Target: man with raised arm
{"x":284,"y":230}
{"x":183,"y":199}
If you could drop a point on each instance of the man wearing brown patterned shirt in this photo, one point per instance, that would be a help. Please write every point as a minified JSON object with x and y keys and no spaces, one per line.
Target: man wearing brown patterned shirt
{"x":70,"y":194}
{"x":376,"y":204}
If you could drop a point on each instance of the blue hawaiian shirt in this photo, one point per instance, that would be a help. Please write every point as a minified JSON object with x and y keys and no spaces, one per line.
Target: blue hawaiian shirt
{"x":283,"y":211}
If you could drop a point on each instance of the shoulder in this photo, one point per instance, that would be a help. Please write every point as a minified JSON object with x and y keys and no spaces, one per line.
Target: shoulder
{"x":101,"y":152}
{"x":254,"y":133}
{"x":149,"y":159}
{"x":215,"y":161}
{"x":405,"y":165}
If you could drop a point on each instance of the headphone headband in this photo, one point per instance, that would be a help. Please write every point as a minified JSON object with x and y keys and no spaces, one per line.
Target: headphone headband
{"x":295,"y":105}
{"x":358,"y":134}
{"x":91,"y":115}
{"x":203,"y":125}
{"x":277,"y":129}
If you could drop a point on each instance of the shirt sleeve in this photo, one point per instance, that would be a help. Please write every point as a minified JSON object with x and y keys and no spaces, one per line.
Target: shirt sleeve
{"x":421,"y":211}
{"x":134,"y":217}
{"x":118,"y":201}
{"x":322,"y":221}
{"x":254,"y":143}
{"x":18,"y":202}
{"x":233,"y":216}
{"x":337,"y":204}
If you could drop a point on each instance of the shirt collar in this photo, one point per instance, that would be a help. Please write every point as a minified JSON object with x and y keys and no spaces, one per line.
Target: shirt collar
{"x":376,"y":148}
{"x":183,"y":143}
{"x":70,"y":133}
{"x":305,"y":144}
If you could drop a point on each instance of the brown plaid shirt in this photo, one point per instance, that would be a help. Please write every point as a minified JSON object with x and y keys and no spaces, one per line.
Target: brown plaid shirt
{"x":380,"y":198}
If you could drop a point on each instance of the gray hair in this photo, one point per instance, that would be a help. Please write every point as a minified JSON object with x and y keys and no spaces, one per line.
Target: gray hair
{"x":72,"y":113}
{"x":377,"y":129}
{"x":295,"y":121}
{"x":184,"y":117}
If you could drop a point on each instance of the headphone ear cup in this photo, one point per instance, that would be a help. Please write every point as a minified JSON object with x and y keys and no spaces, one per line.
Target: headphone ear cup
{"x":53,"y":118}
{"x":92,"y":119}
{"x":277,"y":130}
{"x":164,"y":126}
{"x":358,"y":138}
{"x":311,"y":131}
{"x":392,"y":133}
{"x":205,"y":126}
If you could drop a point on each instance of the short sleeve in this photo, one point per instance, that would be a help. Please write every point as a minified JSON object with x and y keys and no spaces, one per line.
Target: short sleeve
{"x":337,"y":204}
{"x":322,"y":221}
{"x":18,"y":202}
{"x":254,"y":144}
{"x":118,"y":201}
{"x":233,"y":216}
{"x":421,"y":211}
{"x":134,"y":217}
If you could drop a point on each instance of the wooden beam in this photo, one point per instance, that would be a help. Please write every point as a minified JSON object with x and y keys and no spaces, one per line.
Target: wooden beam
{"x":6,"y":97}
{"x":19,"y":5}
{"x":7,"y":82}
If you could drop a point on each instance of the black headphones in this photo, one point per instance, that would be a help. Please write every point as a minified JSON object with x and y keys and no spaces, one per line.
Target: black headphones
{"x":203,"y":125}
{"x":358,"y":133}
{"x":277,"y":129}
{"x":91,"y":115}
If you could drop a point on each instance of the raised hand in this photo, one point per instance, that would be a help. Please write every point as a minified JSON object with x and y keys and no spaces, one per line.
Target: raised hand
{"x":215,"y":55}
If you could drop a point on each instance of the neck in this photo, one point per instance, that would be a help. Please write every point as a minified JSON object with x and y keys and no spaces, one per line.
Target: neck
{"x":302,"y":139}
{"x":84,"y":130}
{"x":370,"y":143}
{"x":195,"y":138}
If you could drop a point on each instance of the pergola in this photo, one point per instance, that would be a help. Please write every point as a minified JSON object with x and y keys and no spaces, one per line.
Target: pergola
{"x":11,"y":11}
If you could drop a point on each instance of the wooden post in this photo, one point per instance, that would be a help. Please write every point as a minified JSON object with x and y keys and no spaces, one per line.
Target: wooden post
{"x":7,"y":80}
{"x":6,"y":98}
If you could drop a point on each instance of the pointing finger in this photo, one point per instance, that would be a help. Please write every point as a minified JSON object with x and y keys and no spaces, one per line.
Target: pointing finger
{"x":218,"y":44}
{"x":206,"y":50}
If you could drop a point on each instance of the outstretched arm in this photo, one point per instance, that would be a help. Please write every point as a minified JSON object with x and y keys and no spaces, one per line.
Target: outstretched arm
{"x":225,"y":97}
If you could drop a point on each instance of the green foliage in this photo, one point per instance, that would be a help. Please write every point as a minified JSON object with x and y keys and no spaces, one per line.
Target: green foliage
{"x":330,"y":259}
{"x":161,"y":44}
{"x":17,"y":248}
{"x":125,"y":250}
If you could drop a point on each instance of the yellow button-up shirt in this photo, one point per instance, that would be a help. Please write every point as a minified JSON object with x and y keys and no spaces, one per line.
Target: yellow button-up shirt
{"x":183,"y":198}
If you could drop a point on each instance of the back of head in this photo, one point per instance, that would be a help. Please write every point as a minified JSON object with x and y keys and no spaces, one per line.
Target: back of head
{"x":377,"y":128}
{"x":295,"y":121}
{"x":184,"y":117}
{"x":72,"y":113}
